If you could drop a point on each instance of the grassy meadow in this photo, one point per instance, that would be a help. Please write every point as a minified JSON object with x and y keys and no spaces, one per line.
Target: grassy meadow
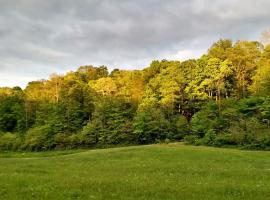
{"x":152,"y":172}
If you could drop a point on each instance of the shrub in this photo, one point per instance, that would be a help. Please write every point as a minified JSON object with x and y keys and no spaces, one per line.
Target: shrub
{"x":167,"y":141}
{"x":206,"y":119}
{"x":191,"y":139}
{"x":208,"y":138}
{"x":89,"y":135}
{"x":179,"y":127}
{"x":224,"y":140}
{"x":74,"y":141}
{"x":151,"y":125}
{"x":39,"y":138}
{"x":8,"y":141}
{"x":61,"y":141}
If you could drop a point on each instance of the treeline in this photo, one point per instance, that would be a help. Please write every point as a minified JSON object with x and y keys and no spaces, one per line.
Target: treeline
{"x":220,"y":99}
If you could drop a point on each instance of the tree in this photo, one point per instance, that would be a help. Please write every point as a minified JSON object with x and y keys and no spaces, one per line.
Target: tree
{"x":111,"y":123}
{"x":261,"y":80}
{"x":130,"y":85}
{"x":150,"y":125}
{"x":245,"y":57}
{"x":12,"y":116}
{"x":220,"y":49}
{"x":220,"y":98}
{"x":104,"y":86}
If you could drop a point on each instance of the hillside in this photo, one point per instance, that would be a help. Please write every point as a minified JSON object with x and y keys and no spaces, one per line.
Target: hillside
{"x":152,"y":172}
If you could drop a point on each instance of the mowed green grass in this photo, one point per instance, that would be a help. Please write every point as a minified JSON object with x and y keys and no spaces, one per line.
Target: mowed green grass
{"x":173,"y":171}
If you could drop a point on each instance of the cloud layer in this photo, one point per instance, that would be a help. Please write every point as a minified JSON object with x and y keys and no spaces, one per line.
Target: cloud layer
{"x":40,"y":37}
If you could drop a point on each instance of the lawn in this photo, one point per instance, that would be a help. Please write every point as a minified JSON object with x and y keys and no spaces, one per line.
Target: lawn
{"x":152,"y":172}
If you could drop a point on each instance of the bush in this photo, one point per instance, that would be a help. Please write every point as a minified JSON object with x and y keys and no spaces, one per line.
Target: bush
{"x":191,"y":139}
{"x":179,"y":127}
{"x":167,"y":141}
{"x":61,"y":141}
{"x":74,"y":141}
{"x":39,"y":138}
{"x":151,"y":125}
{"x":224,"y":140}
{"x":208,"y":138}
{"x":206,"y":119}
{"x":89,"y":135}
{"x":9,"y":141}
{"x":262,"y":143}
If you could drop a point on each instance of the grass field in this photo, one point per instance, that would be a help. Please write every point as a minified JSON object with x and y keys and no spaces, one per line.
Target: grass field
{"x":165,"y":172}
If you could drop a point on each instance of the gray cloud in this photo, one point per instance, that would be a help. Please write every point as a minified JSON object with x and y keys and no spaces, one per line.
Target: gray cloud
{"x":40,"y":37}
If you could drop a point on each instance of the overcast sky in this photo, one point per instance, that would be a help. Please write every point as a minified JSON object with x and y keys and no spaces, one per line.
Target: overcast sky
{"x":39,"y":37}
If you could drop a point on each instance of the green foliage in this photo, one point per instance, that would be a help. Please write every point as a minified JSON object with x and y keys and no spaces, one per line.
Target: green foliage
{"x":10,"y":141}
{"x":191,"y":139}
{"x":179,"y":127}
{"x":261,"y":79}
{"x":219,"y":99}
{"x":110,"y":124}
{"x":207,"y":119}
{"x":90,"y":135}
{"x":12,"y":111}
{"x":151,"y":125}
{"x":39,"y":139}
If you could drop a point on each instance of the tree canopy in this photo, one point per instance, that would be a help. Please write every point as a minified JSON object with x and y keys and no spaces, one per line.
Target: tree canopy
{"x":221,"y":98}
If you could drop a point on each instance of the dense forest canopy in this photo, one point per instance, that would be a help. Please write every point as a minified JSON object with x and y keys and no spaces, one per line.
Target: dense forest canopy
{"x":220,"y":99}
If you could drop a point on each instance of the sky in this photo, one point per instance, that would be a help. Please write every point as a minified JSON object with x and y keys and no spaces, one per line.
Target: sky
{"x":38,"y":37}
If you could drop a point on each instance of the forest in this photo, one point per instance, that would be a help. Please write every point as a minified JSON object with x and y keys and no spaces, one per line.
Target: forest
{"x":220,"y":99}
